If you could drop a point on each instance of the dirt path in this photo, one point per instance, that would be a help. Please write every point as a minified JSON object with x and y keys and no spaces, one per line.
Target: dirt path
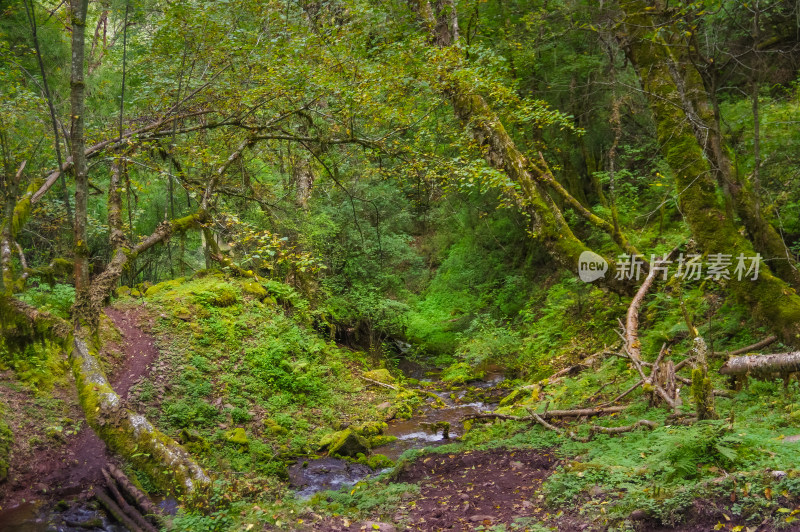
{"x":463,"y":491}
{"x":71,"y":466}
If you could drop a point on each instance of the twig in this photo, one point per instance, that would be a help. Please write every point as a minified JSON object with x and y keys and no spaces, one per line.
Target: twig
{"x":622,"y":395}
{"x":379,"y":383}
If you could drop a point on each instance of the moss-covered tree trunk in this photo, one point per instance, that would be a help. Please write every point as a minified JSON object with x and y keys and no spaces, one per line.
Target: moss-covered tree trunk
{"x":663,"y":79}
{"x":129,"y":434}
{"x":78,"y":9}
{"x":533,"y":178}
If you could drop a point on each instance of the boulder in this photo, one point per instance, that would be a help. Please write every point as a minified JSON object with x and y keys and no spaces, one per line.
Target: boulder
{"x":348,"y":443}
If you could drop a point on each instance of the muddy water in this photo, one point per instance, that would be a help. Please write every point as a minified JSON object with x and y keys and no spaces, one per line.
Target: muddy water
{"x":311,"y":476}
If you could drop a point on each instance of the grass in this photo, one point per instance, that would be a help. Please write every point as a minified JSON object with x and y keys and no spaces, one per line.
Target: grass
{"x":232,"y":359}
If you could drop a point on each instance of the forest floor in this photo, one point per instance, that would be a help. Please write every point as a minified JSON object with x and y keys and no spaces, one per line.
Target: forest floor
{"x":53,"y":458}
{"x":493,"y":490}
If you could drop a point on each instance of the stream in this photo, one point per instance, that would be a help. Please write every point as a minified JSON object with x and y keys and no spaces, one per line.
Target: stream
{"x":311,"y":476}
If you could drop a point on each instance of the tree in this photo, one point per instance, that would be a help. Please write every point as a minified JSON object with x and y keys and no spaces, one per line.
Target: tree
{"x":691,"y":143}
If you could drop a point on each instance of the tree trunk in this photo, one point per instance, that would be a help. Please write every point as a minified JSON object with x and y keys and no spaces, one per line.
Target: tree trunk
{"x":129,"y":434}
{"x":770,"y":297}
{"x":78,"y":10}
{"x":486,"y":128}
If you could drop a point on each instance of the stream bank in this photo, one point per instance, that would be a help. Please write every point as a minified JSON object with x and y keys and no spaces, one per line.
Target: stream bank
{"x":436,"y":422}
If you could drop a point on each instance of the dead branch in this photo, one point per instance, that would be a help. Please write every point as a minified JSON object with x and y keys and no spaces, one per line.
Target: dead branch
{"x":622,"y":395}
{"x":587,"y":363}
{"x":129,"y":510}
{"x":594,"y":429}
{"x":750,"y":348}
{"x":371,"y":381}
{"x":549,"y":414}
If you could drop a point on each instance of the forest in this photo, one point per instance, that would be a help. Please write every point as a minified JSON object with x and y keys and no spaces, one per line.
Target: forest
{"x":424,"y":265}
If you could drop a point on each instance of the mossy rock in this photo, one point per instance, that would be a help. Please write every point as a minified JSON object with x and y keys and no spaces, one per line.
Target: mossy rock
{"x":348,"y":443}
{"x":371,"y":428}
{"x":377,"y":461}
{"x":274,"y":428}
{"x":237,"y":436}
{"x":382,"y":439}
{"x":254,"y":289}
{"x":521,"y":394}
{"x":404,"y":411}
{"x":380,"y":375}
{"x":136,"y":293}
{"x":194,"y":442}
{"x":327,"y":440}
{"x":123,"y":291}
{"x":461,"y":372}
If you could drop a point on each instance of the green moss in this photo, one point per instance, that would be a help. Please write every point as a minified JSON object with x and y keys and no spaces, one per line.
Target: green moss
{"x":225,"y":297}
{"x":254,"y":289}
{"x":376,"y":461}
{"x":380,"y":375}
{"x":123,"y":291}
{"x":6,"y":439}
{"x":377,"y":441}
{"x":275,"y":428}
{"x":237,"y":436}
{"x":461,"y":372}
{"x":156,"y":288}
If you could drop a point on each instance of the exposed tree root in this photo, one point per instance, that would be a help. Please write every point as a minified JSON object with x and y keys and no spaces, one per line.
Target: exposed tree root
{"x":132,"y":513}
{"x":138,"y":497}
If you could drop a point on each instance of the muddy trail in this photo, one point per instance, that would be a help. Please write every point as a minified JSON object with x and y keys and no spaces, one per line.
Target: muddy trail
{"x":52,"y":486}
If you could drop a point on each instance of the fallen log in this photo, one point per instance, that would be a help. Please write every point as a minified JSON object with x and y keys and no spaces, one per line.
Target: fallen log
{"x":132,"y":513}
{"x":116,"y":512}
{"x":130,"y":434}
{"x":138,"y":496}
{"x":762,"y":364}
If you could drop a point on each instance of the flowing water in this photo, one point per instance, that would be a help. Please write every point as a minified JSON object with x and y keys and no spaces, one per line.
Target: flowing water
{"x":311,"y":476}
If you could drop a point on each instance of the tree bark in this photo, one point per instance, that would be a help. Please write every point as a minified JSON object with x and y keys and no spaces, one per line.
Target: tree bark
{"x":486,"y":128}
{"x":772,"y":299}
{"x":129,"y":434}
{"x":762,"y":364}
{"x":78,"y":10}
